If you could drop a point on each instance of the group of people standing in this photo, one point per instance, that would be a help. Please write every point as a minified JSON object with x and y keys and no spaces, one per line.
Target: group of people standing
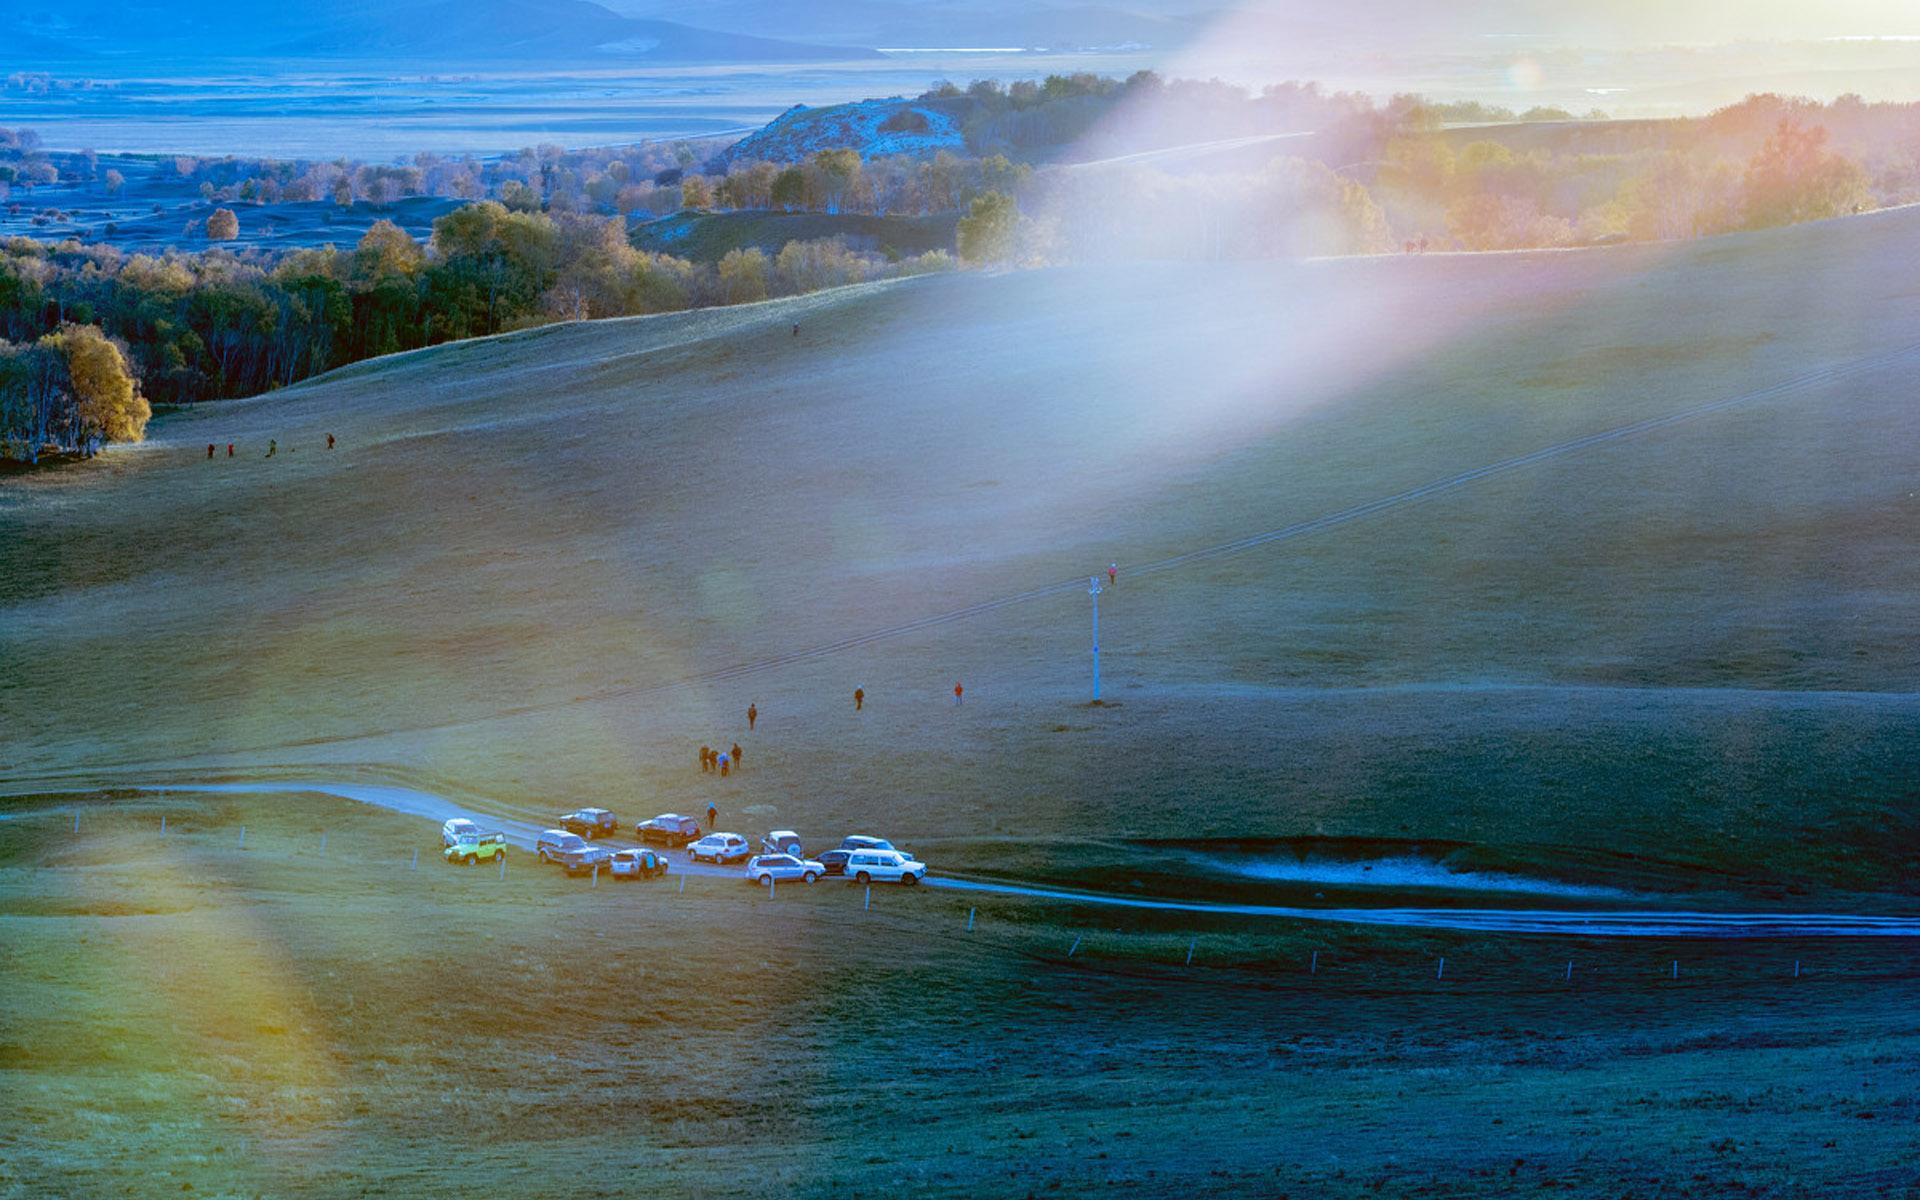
{"x":723,"y":761}
{"x":273,"y":447}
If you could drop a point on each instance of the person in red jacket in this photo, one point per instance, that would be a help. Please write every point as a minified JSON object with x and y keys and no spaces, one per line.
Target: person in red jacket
{"x":957,"y":692}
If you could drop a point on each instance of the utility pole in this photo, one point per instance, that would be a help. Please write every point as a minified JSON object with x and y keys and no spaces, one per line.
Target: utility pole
{"x":1093,"y":590}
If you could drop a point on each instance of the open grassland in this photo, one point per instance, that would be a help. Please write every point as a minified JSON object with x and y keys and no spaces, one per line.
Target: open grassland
{"x":1692,"y":649}
{"x":184,"y":1015}
{"x":1679,"y":664}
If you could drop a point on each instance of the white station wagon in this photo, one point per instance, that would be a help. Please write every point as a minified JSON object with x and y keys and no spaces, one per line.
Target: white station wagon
{"x":885,"y":866}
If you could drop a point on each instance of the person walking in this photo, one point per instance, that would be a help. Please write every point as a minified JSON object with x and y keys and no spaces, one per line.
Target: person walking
{"x":725,"y":763}
{"x":273,"y":447}
{"x":209,"y":451}
{"x":706,"y":758}
{"x":329,"y":441}
{"x":713,"y":816}
{"x":1113,"y":574}
{"x":753,"y":714}
{"x":958,"y":692}
{"x":796,"y":329}
{"x":229,"y":449}
{"x":859,"y":699}
{"x":736,"y":755}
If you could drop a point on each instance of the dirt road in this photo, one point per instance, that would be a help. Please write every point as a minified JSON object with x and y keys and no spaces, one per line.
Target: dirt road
{"x":1612,"y":923}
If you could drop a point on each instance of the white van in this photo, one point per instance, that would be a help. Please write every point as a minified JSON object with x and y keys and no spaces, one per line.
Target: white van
{"x":885,"y":866}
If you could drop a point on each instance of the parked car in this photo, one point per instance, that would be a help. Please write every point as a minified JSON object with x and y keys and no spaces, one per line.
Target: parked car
{"x":764,"y":869}
{"x":637,"y":864}
{"x":720,"y":848}
{"x":885,"y":866}
{"x":862,"y":842}
{"x":457,"y":828}
{"x":585,"y":859}
{"x":556,"y":842}
{"x":782,"y":841}
{"x":591,"y":823}
{"x":668,"y":829}
{"x":477,"y":847}
{"x":834,"y":862}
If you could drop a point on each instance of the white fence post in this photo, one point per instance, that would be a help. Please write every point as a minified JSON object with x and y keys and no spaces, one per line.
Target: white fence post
{"x":869,"y":901}
{"x":1075,"y":946}
{"x":76,"y":820}
{"x":1676,"y":968}
{"x":1313,"y":968}
{"x":501,"y":858}
{"x":163,"y":824}
{"x":243,"y":837}
{"x":1569,"y":970}
{"x":1442,"y":972}
{"x":1190,"y":946}
{"x":415,"y":864}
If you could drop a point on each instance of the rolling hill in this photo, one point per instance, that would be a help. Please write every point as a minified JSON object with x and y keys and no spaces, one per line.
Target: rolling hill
{"x":542,"y":569}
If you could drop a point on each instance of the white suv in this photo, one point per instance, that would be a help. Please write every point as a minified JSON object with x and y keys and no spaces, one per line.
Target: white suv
{"x":887,"y":866}
{"x":720,"y":848}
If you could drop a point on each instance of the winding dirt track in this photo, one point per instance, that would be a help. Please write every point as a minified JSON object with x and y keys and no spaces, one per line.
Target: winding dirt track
{"x":1616,"y":923}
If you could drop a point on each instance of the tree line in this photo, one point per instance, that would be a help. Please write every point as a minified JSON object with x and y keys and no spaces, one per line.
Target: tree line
{"x":186,"y":327}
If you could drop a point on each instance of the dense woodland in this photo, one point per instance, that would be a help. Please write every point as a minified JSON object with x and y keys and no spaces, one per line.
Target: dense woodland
{"x":546,"y":235}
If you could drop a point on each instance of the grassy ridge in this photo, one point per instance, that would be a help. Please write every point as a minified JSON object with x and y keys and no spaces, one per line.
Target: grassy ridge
{"x":707,"y":237}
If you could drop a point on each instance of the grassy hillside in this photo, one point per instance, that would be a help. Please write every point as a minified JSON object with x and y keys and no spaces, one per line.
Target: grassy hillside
{"x":1689,"y":651}
{"x":541,"y":570}
{"x":707,"y":237}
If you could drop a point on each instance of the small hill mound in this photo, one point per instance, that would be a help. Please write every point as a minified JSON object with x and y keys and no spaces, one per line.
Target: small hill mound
{"x":875,"y":128}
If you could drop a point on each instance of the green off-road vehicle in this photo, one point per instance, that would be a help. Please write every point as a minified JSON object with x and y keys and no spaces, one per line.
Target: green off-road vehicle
{"x":472,"y":849}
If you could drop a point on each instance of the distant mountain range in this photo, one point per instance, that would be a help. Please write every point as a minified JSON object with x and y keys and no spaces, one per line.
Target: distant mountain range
{"x":445,"y":32}
{"x":1278,"y":27}
{"x":945,"y":24}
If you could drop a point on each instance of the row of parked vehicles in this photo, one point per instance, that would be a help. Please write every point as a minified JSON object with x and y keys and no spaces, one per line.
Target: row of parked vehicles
{"x":780,"y":855}
{"x":779,"y":858}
